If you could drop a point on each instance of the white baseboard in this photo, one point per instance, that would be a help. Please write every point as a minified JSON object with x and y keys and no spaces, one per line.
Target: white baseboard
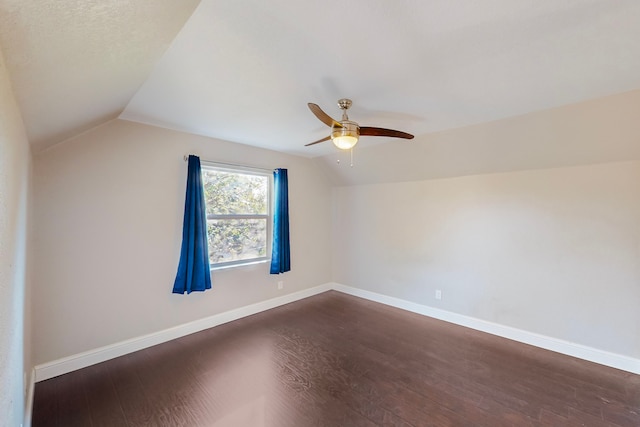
{"x":91,"y":357}
{"x":591,"y":354}
{"x":29,"y":403}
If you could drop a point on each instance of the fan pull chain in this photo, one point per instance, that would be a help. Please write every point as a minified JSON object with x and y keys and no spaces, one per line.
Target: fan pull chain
{"x":351,"y":163}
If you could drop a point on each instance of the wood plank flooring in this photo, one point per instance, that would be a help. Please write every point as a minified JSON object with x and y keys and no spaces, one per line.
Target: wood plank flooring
{"x":336,"y":360}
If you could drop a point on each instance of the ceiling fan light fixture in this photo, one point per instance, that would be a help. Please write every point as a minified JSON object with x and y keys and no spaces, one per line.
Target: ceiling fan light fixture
{"x":346,"y":136}
{"x":345,"y":133}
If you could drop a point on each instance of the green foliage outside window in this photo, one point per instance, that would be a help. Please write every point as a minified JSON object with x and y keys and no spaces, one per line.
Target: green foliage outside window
{"x":237,"y":206}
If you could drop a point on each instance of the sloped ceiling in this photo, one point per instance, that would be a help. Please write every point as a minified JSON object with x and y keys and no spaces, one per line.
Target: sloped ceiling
{"x":244,"y":71}
{"x":75,"y":64}
{"x":596,"y":131}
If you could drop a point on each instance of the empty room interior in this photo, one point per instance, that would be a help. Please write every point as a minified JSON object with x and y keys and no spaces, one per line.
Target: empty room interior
{"x":410,"y":213}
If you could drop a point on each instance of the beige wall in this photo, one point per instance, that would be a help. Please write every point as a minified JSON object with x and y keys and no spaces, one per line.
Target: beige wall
{"x":554,"y":252}
{"x":15,"y":161}
{"x":109,"y":227}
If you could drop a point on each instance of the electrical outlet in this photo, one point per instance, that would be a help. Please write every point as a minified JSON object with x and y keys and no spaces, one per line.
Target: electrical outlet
{"x":280,"y":284}
{"x":438,"y":294}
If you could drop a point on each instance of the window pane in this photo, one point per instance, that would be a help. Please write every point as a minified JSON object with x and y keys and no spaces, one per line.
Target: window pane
{"x":236,"y":239}
{"x":232,"y":193}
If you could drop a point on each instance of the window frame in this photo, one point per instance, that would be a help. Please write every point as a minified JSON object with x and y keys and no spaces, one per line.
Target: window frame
{"x":244,"y":170}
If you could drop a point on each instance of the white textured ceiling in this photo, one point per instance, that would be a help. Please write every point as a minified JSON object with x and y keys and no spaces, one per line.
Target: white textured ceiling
{"x":244,"y":70}
{"x":75,"y":64}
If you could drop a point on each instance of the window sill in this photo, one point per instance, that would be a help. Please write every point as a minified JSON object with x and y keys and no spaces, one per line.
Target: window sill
{"x":240,"y":264}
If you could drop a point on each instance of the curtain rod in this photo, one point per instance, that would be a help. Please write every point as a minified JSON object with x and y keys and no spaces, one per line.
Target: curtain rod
{"x":235,"y":165}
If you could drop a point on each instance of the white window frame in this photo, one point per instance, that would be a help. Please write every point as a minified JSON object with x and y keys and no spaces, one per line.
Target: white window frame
{"x":245,"y":170}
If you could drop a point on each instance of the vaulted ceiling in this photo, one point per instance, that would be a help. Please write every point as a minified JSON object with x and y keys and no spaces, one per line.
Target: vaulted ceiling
{"x":244,"y":71}
{"x":75,"y":64}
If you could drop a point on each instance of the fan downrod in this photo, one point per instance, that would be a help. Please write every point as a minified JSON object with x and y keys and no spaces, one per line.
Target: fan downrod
{"x":344,"y":105}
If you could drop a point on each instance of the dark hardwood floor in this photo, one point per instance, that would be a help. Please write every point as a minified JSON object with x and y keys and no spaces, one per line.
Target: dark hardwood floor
{"x":336,"y":360}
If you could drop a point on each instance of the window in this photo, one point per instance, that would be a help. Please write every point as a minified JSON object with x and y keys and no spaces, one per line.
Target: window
{"x":238,"y":204}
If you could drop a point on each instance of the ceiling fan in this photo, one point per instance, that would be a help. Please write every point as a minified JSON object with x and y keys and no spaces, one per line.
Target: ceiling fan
{"x":345,"y":133}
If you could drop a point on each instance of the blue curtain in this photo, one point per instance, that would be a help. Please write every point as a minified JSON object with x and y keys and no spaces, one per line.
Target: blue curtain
{"x":280,"y":251}
{"x":193,"y":270}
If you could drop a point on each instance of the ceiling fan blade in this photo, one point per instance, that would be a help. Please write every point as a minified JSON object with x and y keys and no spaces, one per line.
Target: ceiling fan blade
{"x":371,"y":131}
{"x":318,"y":141}
{"x":324,"y":117}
